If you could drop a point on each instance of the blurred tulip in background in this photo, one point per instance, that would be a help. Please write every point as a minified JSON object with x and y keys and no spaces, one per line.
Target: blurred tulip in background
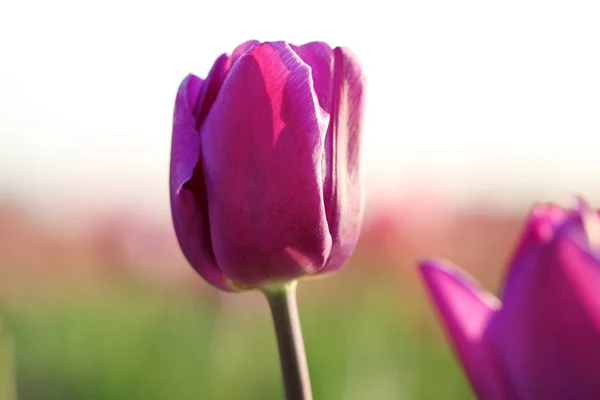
{"x":542,"y":341}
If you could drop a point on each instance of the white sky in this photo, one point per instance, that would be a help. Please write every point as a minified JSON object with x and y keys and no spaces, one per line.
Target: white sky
{"x":493,"y":99}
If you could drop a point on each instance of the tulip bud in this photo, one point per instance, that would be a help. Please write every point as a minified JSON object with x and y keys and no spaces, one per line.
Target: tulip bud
{"x":543,"y":340}
{"x":265,"y":185}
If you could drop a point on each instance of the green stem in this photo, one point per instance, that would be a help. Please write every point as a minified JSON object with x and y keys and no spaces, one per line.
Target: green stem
{"x":294,"y":369}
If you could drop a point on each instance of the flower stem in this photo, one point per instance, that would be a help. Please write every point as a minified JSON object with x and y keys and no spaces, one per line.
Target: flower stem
{"x":294,"y":369}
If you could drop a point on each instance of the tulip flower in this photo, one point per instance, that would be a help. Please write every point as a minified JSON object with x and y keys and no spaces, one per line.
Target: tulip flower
{"x":542,"y":341}
{"x":265,"y":180}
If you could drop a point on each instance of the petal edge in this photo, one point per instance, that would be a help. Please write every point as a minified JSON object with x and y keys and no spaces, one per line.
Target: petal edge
{"x":465,"y":310}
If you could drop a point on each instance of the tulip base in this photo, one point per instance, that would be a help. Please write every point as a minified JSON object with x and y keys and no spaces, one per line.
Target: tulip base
{"x":294,"y":369}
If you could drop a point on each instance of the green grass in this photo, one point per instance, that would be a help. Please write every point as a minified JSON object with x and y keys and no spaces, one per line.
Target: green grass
{"x":132,"y":342}
{"x":7,"y":381}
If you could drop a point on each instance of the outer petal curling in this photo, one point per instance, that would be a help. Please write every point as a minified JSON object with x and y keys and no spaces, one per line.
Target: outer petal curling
{"x":189,"y":219}
{"x":342,"y":188}
{"x":319,"y":56}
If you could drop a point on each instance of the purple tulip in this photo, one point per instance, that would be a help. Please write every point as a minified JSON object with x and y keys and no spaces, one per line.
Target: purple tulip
{"x":543,"y":340}
{"x":264,"y":181}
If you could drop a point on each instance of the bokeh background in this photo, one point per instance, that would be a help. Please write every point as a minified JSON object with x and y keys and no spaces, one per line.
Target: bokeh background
{"x":475,"y":110}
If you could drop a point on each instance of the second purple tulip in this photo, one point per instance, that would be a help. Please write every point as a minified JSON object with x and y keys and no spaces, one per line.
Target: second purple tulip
{"x":543,"y":340}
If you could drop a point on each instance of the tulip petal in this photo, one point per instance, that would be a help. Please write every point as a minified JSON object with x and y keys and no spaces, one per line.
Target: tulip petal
{"x":210,"y":89}
{"x":540,"y":228}
{"x":342,"y":188}
{"x":215,"y":78}
{"x":546,"y":334}
{"x":590,"y":219}
{"x":262,"y":146}
{"x":189,"y":206}
{"x":466,"y":310}
{"x":240,"y":51}
{"x":319,"y":56}
{"x":581,"y":250}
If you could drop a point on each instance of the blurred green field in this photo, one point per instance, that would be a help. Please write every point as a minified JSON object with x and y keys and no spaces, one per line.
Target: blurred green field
{"x":138,"y":341}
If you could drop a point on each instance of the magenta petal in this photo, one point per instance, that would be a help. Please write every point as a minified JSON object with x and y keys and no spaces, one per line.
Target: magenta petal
{"x":240,"y":51}
{"x":540,"y":229}
{"x":319,"y":56}
{"x":210,"y":90}
{"x":263,"y":144}
{"x":342,"y":189}
{"x":584,"y":275}
{"x":214,"y":81}
{"x":189,"y":220}
{"x":466,"y":310}
{"x":546,"y":336}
